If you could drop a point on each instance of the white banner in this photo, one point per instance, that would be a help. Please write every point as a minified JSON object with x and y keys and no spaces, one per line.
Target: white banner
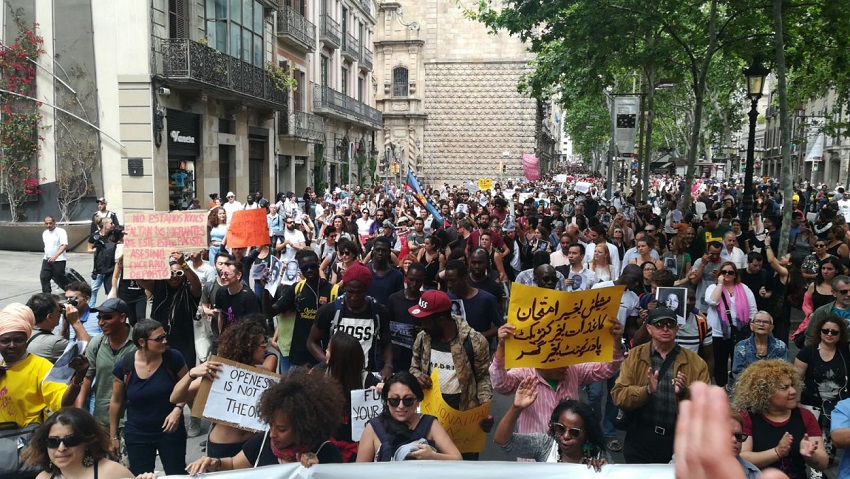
{"x":450,"y":469}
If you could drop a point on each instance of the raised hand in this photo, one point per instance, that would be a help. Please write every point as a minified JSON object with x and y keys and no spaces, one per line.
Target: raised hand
{"x":526,"y":392}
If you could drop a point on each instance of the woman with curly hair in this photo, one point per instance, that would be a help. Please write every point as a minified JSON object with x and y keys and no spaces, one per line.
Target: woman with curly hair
{"x":400,"y":432}
{"x":302,"y":411}
{"x":71,"y":444}
{"x":245,"y":345}
{"x":217,"y":221}
{"x":575,"y":436}
{"x":781,"y":434}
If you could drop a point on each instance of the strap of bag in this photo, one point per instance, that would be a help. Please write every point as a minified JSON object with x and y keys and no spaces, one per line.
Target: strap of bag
{"x":668,"y":361}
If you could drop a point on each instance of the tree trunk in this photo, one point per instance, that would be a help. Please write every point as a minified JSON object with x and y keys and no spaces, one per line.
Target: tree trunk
{"x":787,"y":180}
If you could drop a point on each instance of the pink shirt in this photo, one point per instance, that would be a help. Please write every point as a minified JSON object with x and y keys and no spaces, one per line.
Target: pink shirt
{"x":535,"y":418}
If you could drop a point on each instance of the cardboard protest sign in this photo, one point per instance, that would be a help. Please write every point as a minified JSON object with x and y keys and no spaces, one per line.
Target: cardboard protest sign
{"x":248,"y":228}
{"x":365,"y":404}
{"x":151,"y":236}
{"x":485,"y":184}
{"x":232,"y":398}
{"x":462,"y":426}
{"x":556,"y":329}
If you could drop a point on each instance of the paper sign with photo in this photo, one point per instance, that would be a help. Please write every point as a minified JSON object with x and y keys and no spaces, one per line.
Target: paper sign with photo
{"x":675,"y":299}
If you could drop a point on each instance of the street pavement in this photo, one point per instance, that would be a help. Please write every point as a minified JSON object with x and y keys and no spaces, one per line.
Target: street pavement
{"x":22,"y":281}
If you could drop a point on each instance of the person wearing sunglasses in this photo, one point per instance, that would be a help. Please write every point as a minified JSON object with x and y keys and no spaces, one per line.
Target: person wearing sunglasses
{"x":72,"y":444}
{"x":653,"y":379}
{"x":782,"y":434}
{"x":839,"y":306}
{"x":731,"y":304}
{"x":824,"y":365}
{"x":142,"y":384}
{"x":574,"y":435}
{"x":399,"y":432}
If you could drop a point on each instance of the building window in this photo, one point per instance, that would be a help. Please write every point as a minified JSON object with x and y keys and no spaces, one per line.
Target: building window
{"x":178,"y":19}
{"x":344,"y":81}
{"x":235,"y":27}
{"x":361,"y":82}
{"x":298,"y":92}
{"x":324,"y":70}
{"x":400,"y":81}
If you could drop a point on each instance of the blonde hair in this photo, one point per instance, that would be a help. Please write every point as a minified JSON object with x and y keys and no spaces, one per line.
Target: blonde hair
{"x":759,"y":381}
{"x":607,"y":255}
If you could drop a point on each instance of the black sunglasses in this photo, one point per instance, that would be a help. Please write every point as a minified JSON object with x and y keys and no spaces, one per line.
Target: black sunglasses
{"x":830,"y":332}
{"x":70,"y":440}
{"x":728,"y":272}
{"x":159,"y":339}
{"x":559,"y":430}
{"x":740,"y":437}
{"x":394,"y":402}
{"x":309,"y":266}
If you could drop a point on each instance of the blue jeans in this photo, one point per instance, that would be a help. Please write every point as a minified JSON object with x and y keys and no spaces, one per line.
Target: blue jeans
{"x":99,"y":280}
{"x":594,"y":398}
{"x":171,"y":447}
{"x":283,"y":364}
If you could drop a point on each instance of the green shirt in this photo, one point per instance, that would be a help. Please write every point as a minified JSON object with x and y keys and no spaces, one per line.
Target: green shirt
{"x":102,"y":360}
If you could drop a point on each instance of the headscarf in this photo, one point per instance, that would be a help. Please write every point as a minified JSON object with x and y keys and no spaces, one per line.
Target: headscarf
{"x":15,"y":318}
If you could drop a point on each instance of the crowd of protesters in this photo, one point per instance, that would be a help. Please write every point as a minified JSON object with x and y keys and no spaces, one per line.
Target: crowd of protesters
{"x":388,"y":291}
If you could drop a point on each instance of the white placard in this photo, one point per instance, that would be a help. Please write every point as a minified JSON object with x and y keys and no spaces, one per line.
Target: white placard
{"x":365,"y":404}
{"x":234,"y":396}
{"x":275,"y":273}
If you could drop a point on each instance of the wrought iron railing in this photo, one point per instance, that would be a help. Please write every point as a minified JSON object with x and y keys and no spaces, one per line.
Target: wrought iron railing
{"x":300,"y":124}
{"x":295,"y":26}
{"x":184,"y":59}
{"x":366,"y":58}
{"x":330,"y":32}
{"x":351,"y":47}
{"x":328,"y":100}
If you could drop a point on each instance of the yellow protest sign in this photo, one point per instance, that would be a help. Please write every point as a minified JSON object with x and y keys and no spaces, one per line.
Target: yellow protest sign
{"x":556,"y":329}
{"x":462,"y":426}
{"x":485,"y":184}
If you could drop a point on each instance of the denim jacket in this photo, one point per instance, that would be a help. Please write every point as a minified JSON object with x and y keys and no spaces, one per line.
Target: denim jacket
{"x":745,"y":353}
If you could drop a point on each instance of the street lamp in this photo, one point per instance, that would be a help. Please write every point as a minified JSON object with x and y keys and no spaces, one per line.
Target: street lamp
{"x":756,"y":73}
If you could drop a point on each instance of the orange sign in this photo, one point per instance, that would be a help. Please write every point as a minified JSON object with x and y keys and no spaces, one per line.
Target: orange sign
{"x":248,"y":228}
{"x":151,"y":236}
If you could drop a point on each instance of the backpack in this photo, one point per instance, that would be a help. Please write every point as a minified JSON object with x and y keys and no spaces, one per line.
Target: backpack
{"x":299,"y":286}
{"x":702,"y":326}
{"x":129,"y":367}
{"x":104,"y":258}
{"x":391,"y":443}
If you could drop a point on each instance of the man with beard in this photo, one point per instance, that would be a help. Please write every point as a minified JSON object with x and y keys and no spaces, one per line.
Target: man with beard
{"x":484,"y":225}
{"x":293,"y":240}
{"x":305,"y":298}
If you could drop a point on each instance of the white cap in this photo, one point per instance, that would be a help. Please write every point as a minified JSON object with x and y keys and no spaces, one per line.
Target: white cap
{"x":229,"y":194}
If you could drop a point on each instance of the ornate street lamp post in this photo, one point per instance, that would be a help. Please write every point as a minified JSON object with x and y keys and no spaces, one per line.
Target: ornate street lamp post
{"x":755,"y":74}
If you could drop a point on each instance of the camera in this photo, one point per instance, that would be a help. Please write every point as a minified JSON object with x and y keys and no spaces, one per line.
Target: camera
{"x":72,"y":301}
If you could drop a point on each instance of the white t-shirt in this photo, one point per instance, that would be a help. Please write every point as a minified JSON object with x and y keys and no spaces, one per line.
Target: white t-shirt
{"x":294,"y":236}
{"x":363,"y":225}
{"x":230,"y":208}
{"x":628,"y":302}
{"x":53,"y":240}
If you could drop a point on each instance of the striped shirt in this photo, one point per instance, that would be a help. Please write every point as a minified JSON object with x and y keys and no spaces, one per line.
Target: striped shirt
{"x":535,"y":418}
{"x":688,"y":335}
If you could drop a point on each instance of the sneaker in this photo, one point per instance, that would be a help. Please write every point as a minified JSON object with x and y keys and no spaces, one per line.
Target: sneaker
{"x":194,"y":428}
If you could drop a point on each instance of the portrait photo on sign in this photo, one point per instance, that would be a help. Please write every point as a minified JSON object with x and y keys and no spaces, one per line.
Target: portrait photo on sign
{"x":670,"y":264}
{"x":290,"y":274}
{"x":458,"y":311}
{"x":676,"y":299}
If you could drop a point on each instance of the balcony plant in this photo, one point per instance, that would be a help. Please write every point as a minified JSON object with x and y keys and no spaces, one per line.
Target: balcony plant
{"x":21,"y":121}
{"x":282,"y":78}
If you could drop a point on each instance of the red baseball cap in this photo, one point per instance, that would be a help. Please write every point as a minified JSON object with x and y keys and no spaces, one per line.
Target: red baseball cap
{"x":431,"y":302}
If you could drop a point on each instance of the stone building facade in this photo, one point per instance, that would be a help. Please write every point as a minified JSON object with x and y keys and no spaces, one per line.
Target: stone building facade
{"x":448,"y":93}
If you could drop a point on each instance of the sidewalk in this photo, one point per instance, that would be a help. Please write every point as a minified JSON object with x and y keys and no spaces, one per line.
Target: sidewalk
{"x":23,"y":269}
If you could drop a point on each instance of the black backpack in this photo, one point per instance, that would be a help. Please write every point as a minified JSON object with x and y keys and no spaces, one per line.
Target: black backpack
{"x":391,"y":442}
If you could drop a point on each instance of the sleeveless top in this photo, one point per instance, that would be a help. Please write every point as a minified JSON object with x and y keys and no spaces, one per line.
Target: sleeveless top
{"x":53,"y":475}
{"x":819,"y":299}
{"x":766,"y":436}
{"x":432,"y":269}
{"x":834,"y":250}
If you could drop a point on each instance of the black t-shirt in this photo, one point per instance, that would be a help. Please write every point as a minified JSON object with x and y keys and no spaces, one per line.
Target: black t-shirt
{"x":175,"y":308}
{"x":306,"y":306}
{"x":823,"y":380}
{"x":383,"y":286}
{"x":236,"y":306}
{"x":360,"y":325}
{"x":490,"y":285}
{"x":755,"y":281}
{"x":402,"y":330}
{"x":326,"y":452}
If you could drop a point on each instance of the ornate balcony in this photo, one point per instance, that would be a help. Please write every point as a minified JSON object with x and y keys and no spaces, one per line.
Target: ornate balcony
{"x":330,"y":34}
{"x":303,"y":126}
{"x":365,"y":59}
{"x":331,"y":103}
{"x":197,"y":66}
{"x":350,"y":48}
{"x":296,"y":30}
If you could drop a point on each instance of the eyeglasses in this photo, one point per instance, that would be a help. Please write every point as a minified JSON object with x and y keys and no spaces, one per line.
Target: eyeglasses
{"x":178,"y":273}
{"x":560,"y":430}
{"x":70,"y":440}
{"x":842,"y":291}
{"x":13,"y":340}
{"x":408,"y":401}
{"x":666,"y":325}
{"x":289,"y":222}
{"x":309,"y":266}
{"x":820,"y":246}
{"x":740,"y":437}
{"x":761,"y":321}
{"x":345,"y":253}
{"x":224,"y":274}
{"x":159,"y":339}
{"x":830,"y":332}
{"x":728,"y":272}
{"x":106,"y":316}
